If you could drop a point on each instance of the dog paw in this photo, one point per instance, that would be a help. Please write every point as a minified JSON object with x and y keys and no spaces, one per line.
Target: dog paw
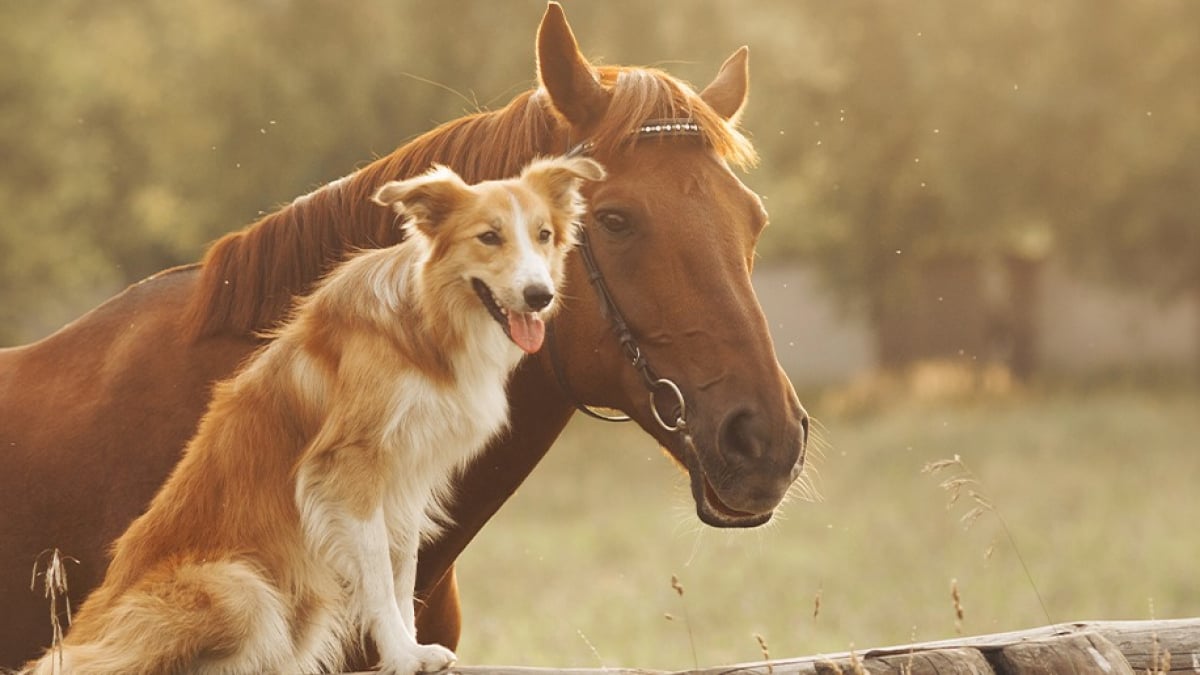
{"x":420,"y":659}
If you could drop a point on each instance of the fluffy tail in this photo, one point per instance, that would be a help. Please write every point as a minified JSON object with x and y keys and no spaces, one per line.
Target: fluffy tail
{"x":220,"y":617}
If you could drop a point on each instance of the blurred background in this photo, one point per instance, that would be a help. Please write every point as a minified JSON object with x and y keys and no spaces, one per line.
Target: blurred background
{"x":984,"y":243}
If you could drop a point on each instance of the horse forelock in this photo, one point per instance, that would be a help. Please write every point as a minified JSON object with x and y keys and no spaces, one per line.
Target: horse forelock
{"x":641,"y":95}
{"x":249,"y":278}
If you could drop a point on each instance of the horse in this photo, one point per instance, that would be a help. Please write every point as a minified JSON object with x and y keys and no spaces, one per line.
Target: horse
{"x":659,"y":320}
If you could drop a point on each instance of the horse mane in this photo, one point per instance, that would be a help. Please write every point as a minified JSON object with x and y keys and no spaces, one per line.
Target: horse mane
{"x":248,"y":279}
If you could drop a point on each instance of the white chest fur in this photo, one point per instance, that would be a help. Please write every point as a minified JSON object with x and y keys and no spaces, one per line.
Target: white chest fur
{"x":436,"y":428}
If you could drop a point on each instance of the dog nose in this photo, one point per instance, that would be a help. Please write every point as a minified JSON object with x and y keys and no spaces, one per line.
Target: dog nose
{"x":538,"y":297}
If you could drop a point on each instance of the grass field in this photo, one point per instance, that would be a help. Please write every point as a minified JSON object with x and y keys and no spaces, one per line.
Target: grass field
{"x":1098,"y":487}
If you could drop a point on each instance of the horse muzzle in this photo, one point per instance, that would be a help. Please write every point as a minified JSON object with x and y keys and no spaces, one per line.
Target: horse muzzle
{"x":739,"y":481}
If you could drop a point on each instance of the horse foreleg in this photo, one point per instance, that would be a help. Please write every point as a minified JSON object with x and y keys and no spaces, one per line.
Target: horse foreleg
{"x":439,"y":614}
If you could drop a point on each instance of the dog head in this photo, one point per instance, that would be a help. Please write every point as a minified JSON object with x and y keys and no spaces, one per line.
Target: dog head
{"x":504,"y":241}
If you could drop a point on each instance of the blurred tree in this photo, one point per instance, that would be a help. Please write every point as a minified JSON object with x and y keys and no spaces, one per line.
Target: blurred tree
{"x":1129,"y":210}
{"x":1133,"y":214}
{"x":133,"y":133}
{"x":903,"y":139}
{"x":993,"y":132}
{"x":897,"y":137}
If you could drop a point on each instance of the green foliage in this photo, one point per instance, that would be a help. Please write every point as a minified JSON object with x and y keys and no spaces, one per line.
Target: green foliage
{"x":985,"y":128}
{"x":137,"y":132}
{"x":134,"y":133}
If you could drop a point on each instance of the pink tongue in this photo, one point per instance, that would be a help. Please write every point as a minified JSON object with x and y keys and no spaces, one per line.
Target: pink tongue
{"x":527,"y":330}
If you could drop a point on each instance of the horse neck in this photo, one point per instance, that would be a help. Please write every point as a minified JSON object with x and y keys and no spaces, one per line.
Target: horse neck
{"x":249,"y":278}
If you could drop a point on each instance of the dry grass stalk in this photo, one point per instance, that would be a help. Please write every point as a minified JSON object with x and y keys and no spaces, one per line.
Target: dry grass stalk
{"x":910,"y":664}
{"x":54,"y":587}
{"x":963,"y":481}
{"x":678,"y":587}
{"x":1163,"y":662}
{"x":817,"y":604}
{"x":766,"y":653}
{"x":833,"y":665}
{"x":687,"y":620}
{"x":957,"y":485}
{"x":595,"y":652}
{"x":958,"y":608}
{"x":856,"y":666}
{"x":1160,"y":661}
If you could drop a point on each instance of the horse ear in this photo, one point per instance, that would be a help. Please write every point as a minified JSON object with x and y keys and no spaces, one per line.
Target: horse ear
{"x":566,"y":75}
{"x":427,"y":199}
{"x":726,"y":94}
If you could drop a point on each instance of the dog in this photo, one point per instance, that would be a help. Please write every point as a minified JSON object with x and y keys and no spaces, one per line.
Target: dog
{"x":289,"y":530}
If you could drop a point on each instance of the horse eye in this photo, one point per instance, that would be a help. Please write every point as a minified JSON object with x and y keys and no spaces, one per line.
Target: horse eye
{"x":544,"y":236}
{"x":490,"y":238}
{"x":612,"y":221}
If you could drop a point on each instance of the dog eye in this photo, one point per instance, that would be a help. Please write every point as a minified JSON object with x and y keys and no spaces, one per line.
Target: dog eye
{"x":490,"y":238}
{"x":612,"y":221}
{"x":544,"y":236}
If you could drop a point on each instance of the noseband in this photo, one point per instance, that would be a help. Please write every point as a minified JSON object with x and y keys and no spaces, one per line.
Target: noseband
{"x":608,"y":307}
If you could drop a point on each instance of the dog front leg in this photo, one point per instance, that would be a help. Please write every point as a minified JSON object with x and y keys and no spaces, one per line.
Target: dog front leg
{"x":340,"y":493}
{"x":389,"y":622}
{"x":405,"y":546}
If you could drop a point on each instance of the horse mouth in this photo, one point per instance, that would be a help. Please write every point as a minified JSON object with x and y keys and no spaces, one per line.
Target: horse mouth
{"x":711,"y":510}
{"x":716,"y":513}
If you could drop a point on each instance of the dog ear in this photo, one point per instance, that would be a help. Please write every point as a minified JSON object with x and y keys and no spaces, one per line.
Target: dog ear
{"x":559,"y":179}
{"x":427,"y":199}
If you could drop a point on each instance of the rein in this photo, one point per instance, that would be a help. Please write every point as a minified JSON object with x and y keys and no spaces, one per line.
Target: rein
{"x":633,"y":352}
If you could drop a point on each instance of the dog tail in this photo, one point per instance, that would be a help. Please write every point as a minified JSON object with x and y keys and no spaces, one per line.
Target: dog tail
{"x":223,"y":616}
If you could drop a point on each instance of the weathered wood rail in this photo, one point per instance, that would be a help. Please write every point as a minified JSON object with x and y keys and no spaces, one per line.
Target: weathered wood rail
{"x":1109,"y":647}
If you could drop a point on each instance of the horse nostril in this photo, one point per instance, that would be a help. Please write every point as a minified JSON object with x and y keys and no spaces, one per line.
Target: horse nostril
{"x":538,"y":297}
{"x":741,"y":435}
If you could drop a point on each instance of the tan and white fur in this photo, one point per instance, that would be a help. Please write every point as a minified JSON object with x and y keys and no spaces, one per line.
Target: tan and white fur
{"x":290,"y":528}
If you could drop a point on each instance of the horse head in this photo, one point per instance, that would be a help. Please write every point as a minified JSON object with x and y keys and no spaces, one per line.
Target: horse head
{"x":660,"y":319}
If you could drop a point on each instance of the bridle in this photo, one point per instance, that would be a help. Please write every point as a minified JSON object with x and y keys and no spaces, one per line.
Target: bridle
{"x":629,"y":346}
{"x":653,"y":383}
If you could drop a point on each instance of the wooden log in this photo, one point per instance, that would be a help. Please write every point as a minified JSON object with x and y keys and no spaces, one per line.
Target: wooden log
{"x":1156,"y":646}
{"x":520,"y":670}
{"x":1078,"y":653}
{"x":1114,"y":647}
{"x":1139,"y":643}
{"x":939,"y":662}
{"x":916,"y":662}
